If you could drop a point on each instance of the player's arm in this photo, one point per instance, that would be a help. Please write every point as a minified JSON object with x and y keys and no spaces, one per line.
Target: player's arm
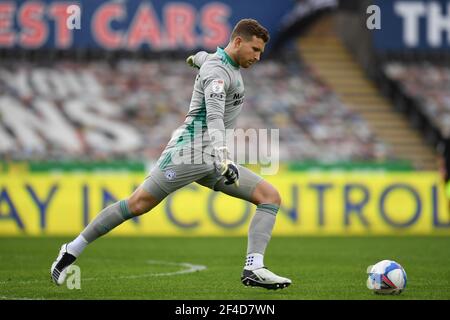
{"x":197,"y":60}
{"x":215,"y":84}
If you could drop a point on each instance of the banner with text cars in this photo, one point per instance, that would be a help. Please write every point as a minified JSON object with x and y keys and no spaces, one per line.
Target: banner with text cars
{"x":131,"y":25}
{"x":312,"y":204}
{"x":413,"y":24}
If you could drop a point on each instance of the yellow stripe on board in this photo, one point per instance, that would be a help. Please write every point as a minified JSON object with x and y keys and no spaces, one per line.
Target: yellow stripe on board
{"x":312,"y":204}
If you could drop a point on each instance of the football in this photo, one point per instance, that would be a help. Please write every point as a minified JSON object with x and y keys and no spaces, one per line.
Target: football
{"x":386,"y":277}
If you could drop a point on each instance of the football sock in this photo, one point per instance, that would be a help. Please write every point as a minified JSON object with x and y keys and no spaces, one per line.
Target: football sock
{"x":106,"y":220}
{"x":254,"y":261}
{"x":77,"y":246}
{"x":259,"y":234}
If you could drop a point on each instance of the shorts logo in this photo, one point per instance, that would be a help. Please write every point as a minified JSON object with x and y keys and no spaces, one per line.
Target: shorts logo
{"x":217,"y":85}
{"x":170,"y":174}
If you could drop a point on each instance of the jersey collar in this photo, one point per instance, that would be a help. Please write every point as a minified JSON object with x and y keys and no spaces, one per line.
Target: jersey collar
{"x":222,"y":52}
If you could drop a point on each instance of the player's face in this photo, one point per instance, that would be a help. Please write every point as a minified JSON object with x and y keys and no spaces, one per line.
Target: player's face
{"x":249,"y":51}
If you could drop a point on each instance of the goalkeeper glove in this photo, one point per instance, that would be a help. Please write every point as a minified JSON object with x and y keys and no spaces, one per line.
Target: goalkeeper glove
{"x":226,"y":167}
{"x":190,"y":62}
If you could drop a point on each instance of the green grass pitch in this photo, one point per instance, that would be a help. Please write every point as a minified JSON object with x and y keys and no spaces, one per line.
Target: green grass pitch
{"x":320,"y":268}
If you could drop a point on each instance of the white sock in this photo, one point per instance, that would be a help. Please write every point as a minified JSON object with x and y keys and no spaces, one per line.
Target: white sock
{"x":254,"y":261}
{"x":77,"y":246}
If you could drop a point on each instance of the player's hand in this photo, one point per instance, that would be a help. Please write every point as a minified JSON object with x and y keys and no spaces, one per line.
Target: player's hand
{"x":230,"y":171}
{"x":190,"y":62}
{"x":226,"y":167}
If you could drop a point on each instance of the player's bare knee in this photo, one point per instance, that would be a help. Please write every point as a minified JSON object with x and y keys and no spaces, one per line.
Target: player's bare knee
{"x":133,"y":205}
{"x":266,"y":193}
{"x":138,"y":206}
{"x":141,"y":202}
{"x":274,"y":197}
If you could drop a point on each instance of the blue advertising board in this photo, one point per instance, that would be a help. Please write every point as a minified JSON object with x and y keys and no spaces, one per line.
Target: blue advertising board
{"x":413,"y":25}
{"x":131,"y":25}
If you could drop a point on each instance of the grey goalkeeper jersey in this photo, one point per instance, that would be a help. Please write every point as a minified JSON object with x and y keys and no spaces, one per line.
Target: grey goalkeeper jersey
{"x":216,"y":102}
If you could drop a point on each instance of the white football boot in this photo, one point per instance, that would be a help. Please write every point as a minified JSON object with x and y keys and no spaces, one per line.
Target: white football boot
{"x":265,"y":278}
{"x":58,"y":271}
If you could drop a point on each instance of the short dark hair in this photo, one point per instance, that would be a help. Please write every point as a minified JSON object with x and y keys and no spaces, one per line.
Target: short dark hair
{"x":247,"y":28}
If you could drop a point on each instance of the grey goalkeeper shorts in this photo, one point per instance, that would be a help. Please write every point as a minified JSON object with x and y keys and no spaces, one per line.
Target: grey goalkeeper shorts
{"x":161,"y":182}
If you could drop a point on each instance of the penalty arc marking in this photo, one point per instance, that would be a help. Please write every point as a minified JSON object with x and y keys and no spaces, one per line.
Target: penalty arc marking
{"x":185,"y":268}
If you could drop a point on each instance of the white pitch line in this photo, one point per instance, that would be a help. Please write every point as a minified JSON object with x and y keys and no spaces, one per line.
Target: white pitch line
{"x":19,"y":298}
{"x":187,"y":268}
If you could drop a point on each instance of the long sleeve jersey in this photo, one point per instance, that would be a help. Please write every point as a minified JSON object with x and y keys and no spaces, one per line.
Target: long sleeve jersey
{"x":216,"y":102}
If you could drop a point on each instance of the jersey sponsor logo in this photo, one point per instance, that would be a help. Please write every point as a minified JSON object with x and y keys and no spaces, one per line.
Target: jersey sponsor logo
{"x":217,"y":85}
{"x":170,"y":174}
{"x":238,"y":99}
{"x":216,"y":96}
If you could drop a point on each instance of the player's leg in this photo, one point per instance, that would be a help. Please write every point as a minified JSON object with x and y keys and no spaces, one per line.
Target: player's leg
{"x":144,"y":198}
{"x":141,"y":201}
{"x":256,"y":190}
{"x":267,"y":201}
{"x":160,"y":183}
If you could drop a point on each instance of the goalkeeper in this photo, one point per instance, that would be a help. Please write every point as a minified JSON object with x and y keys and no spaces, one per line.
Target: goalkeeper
{"x":216,"y":102}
